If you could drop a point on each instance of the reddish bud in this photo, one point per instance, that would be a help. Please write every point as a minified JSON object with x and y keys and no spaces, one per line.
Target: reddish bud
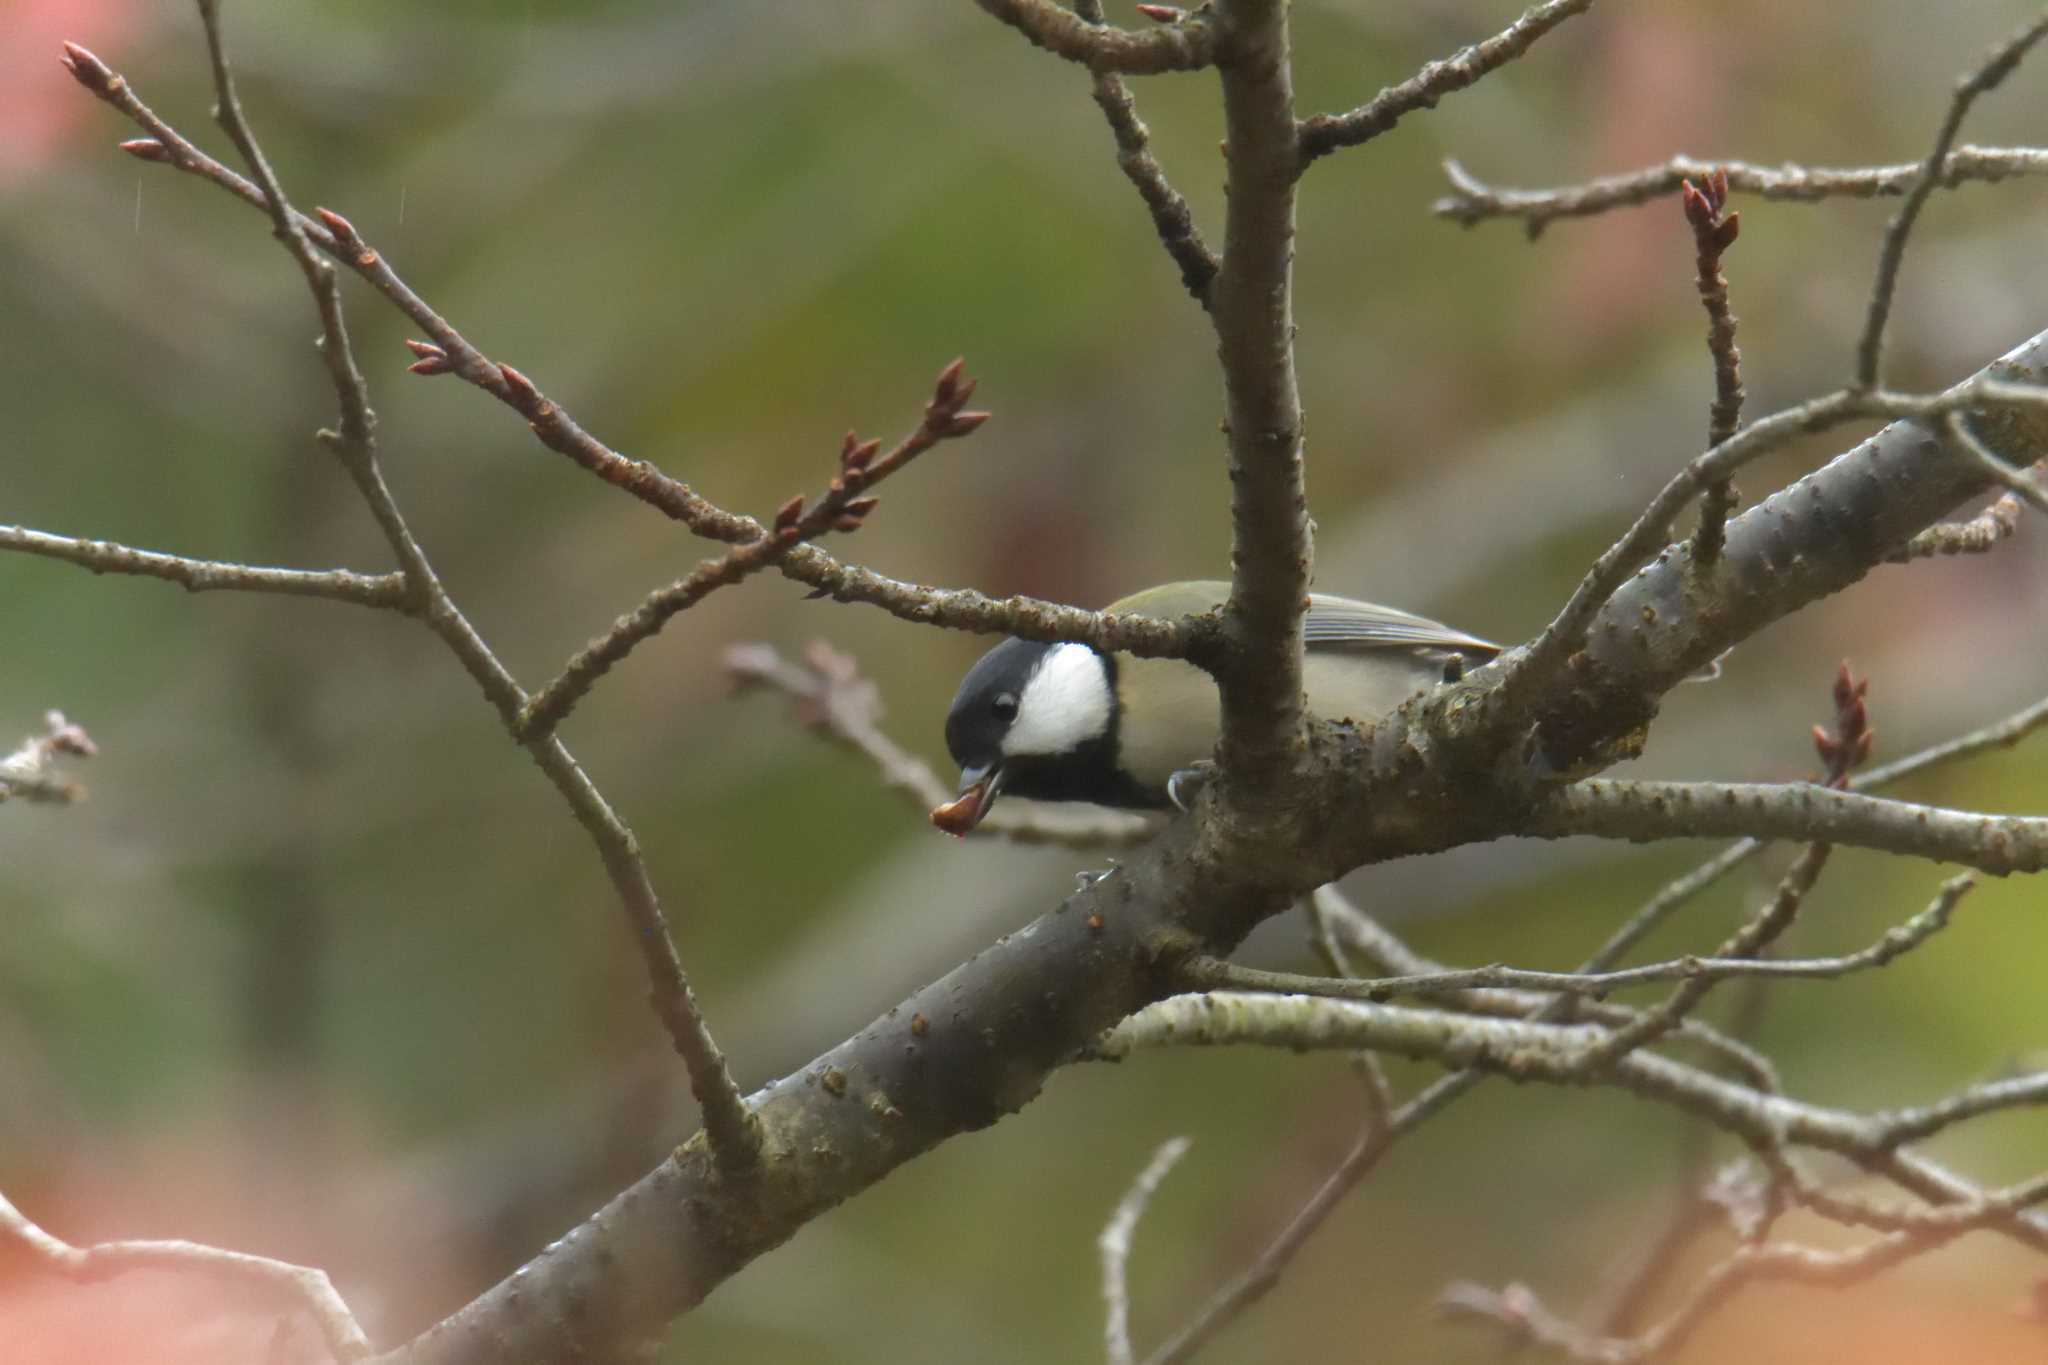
{"x":343,"y":230}
{"x":89,"y":71}
{"x":846,"y":523}
{"x":1164,"y":14}
{"x":949,"y":379}
{"x":146,"y":149}
{"x":965,"y":422}
{"x":864,"y":453}
{"x":848,"y":445}
{"x":1730,"y":229}
{"x":786,"y":515}
{"x":424,"y":349}
{"x":519,"y":388}
{"x":860,"y":507}
{"x":433,"y":364}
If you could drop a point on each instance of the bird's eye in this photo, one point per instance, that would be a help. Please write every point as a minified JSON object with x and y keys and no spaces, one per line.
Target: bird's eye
{"x":1004,"y":707}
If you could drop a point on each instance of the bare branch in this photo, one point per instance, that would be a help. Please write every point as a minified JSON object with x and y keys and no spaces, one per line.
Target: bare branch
{"x":1172,"y":219}
{"x":1251,"y":305}
{"x":1472,"y":201}
{"x":2000,"y":734}
{"x":1999,"y":63}
{"x":1639,"y":811}
{"x":450,"y":353}
{"x":1538,"y":665}
{"x":1532,"y":1051}
{"x":209,"y":575}
{"x":733,"y":1130}
{"x":1115,"y":1246}
{"x":2019,"y":481}
{"x":1980,"y":534}
{"x":1254,"y":1282}
{"x":1184,"y":45}
{"x":292,"y":1287}
{"x":1714,"y":230}
{"x":844,"y":508}
{"x":1214,"y":974}
{"x":1325,"y":133}
{"x":31,"y":773}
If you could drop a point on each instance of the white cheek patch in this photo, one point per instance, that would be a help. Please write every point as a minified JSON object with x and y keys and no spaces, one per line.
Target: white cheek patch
{"x":1065,"y":704}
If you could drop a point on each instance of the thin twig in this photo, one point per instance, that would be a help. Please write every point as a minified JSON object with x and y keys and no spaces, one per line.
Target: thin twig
{"x":1726,"y":965}
{"x":1997,"y":65}
{"x":1674,"y":894}
{"x":292,"y":1287}
{"x":1533,"y":668}
{"x":1714,"y":230}
{"x":1325,"y":133}
{"x":844,"y":507}
{"x":450,"y":353}
{"x":1115,"y":1246}
{"x":209,"y":575}
{"x":1257,"y":1279}
{"x":731,"y":1127}
{"x":1978,"y":535}
{"x":1172,"y":219}
{"x":2021,"y":484}
{"x":1473,"y":201}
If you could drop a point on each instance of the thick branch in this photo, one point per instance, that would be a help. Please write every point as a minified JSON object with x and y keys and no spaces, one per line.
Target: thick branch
{"x":1252,"y":306}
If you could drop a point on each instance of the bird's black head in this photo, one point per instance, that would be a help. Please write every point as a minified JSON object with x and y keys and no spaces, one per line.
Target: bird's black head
{"x":1034,"y":720}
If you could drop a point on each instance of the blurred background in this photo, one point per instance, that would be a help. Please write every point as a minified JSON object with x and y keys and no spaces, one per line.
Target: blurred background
{"x":324,"y":970}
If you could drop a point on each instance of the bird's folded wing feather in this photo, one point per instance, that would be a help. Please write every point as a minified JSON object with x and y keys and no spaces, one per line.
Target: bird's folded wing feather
{"x":1341,"y":623}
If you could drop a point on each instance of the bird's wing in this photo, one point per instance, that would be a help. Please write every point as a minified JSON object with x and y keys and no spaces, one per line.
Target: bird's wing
{"x":1342,"y":623}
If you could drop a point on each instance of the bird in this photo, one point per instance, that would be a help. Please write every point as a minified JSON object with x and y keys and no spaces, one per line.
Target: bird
{"x":1064,"y":721}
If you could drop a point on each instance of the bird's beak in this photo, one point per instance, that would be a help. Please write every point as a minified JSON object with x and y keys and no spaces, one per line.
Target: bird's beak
{"x":978,"y":789}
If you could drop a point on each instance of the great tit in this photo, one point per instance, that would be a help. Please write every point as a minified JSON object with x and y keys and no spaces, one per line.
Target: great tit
{"x":1066,"y":722}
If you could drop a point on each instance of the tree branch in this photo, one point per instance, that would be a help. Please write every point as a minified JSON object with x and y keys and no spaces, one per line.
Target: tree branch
{"x":1172,"y":219}
{"x":1640,"y":811}
{"x":1473,"y":201}
{"x":1212,"y":974}
{"x":1325,"y":133}
{"x":1999,"y":63}
{"x":730,"y":1127}
{"x":1187,"y":45}
{"x":1115,"y":1247}
{"x":843,"y":507}
{"x":1252,"y":308}
{"x":450,"y":353}
{"x":209,"y":575}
